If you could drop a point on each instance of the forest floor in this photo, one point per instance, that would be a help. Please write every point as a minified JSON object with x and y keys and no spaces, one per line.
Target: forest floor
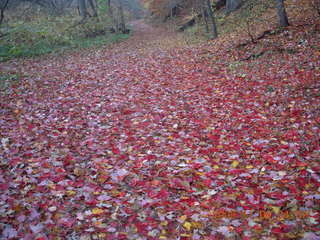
{"x":151,"y":139}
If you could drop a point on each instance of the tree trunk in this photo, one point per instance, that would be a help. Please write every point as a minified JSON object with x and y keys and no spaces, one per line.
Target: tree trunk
{"x":113,"y":19}
{"x":83,"y":10}
{"x":232,"y":5}
{"x":282,"y":14}
{"x":212,"y":20}
{"x":123,"y":28}
{"x":220,"y":4}
{"x":93,"y":7}
{"x":2,"y":9}
{"x":1,"y":16}
{"x":205,"y":18}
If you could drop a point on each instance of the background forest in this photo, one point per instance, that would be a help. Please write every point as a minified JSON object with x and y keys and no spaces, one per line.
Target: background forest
{"x":33,"y":27}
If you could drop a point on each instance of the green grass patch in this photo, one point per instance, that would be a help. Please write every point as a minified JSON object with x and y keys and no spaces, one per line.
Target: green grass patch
{"x":54,"y":34}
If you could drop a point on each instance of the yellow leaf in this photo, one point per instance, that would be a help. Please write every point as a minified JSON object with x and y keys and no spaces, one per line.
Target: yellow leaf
{"x":216,"y":167}
{"x":234,"y":164}
{"x":187,"y":226}
{"x":102,"y":235}
{"x":276,"y":210}
{"x":164,"y":223}
{"x":100,"y":224}
{"x":97,"y":211}
{"x":308,"y":186}
{"x":196,"y":225}
{"x":249,"y":166}
{"x":70,"y":193}
{"x":183,"y":218}
{"x":185,"y":235}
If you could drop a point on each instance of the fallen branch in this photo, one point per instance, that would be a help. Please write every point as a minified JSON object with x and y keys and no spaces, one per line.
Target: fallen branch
{"x":261,"y":36}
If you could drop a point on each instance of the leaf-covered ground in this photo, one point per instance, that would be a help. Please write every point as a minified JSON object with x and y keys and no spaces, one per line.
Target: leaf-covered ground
{"x":145,"y":141}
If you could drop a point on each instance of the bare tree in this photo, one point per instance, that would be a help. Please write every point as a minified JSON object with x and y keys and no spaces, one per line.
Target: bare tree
{"x":122,"y":25}
{"x":56,"y":7}
{"x":205,"y":17}
{"x":113,"y":18}
{"x":282,"y":14}
{"x":214,"y":31}
{"x":117,"y":16}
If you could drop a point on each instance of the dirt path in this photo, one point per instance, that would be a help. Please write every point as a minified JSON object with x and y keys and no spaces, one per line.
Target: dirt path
{"x":148,"y":141}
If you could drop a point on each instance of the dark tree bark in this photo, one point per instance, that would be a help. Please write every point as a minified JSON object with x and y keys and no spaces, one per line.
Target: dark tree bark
{"x":205,"y":18}
{"x":93,"y":8}
{"x":83,"y":10}
{"x":282,"y":14}
{"x":2,"y":9}
{"x":212,"y":20}
{"x":220,"y":4}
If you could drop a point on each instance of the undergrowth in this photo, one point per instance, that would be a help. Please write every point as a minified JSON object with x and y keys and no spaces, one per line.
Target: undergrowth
{"x":253,"y":18}
{"x":246,"y":19}
{"x":45,"y":34}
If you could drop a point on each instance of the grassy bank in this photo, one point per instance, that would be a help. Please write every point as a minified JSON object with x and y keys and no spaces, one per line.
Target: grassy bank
{"x":45,"y":35}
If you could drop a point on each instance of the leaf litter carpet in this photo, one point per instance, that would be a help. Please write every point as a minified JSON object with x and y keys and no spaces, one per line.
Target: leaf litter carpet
{"x":141,"y":141}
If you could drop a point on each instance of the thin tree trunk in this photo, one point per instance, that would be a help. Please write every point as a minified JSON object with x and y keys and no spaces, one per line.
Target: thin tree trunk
{"x":212,"y":20}
{"x":83,"y":10}
{"x":205,"y":18}
{"x":3,"y":8}
{"x":122,"y":21}
{"x":113,"y":19}
{"x":1,"y":16}
{"x":282,"y":14}
{"x":93,"y":7}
